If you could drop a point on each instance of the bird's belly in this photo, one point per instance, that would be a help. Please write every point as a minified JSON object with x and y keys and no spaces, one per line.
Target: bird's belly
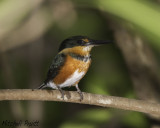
{"x":76,"y":76}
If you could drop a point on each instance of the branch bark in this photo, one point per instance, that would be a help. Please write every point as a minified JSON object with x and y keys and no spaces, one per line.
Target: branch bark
{"x":73,"y":97}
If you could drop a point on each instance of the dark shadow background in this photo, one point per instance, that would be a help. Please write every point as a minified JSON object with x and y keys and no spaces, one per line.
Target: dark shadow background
{"x":30,"y":34}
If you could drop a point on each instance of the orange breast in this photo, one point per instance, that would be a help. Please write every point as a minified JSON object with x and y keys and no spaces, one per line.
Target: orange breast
{"x":70,"y":66}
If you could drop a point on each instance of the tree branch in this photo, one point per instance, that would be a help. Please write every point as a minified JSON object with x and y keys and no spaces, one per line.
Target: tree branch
{"x":73,"y":97}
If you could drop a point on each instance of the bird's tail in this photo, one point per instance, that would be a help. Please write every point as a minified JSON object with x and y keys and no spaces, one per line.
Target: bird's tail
{"x":42,"y":86}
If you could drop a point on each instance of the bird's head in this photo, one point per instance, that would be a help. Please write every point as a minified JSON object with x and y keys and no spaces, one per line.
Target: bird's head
{"x":82,"y":43}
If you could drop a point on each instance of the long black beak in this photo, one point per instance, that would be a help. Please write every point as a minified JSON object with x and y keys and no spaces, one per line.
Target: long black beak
{"x":98,"y":42}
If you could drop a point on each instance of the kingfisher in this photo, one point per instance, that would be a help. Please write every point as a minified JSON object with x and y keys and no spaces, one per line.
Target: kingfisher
{"x":71,"y":63}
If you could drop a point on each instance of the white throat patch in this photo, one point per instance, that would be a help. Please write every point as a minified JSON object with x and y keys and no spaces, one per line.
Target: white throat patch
{"x":87,"y":48}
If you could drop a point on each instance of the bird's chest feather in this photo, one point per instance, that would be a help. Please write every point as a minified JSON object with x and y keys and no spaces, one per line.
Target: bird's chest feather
{"x":71,"y":72}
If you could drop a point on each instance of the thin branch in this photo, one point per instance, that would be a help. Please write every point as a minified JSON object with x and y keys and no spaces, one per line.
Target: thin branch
{"x":73,"y":97}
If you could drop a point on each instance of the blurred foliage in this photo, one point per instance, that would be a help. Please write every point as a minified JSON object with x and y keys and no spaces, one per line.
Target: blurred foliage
{"x":135,"y":121}
{"x":40,"y":28}
{"x":144,"y":16}
{"x":88,"y":118}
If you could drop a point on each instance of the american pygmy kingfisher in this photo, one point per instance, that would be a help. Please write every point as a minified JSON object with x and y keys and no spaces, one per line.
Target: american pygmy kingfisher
{"x":71,"y":63}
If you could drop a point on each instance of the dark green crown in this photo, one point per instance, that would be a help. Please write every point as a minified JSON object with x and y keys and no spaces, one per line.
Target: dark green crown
{"x":73,"y":41}
{"x":80,"y":41}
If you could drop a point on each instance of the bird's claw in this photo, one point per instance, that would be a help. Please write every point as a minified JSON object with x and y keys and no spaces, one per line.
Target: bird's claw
{"x":62,"y":93}
{"x":81,"y":95}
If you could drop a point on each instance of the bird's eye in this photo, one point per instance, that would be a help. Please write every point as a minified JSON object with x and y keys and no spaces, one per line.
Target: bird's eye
{"x":81,"y":42}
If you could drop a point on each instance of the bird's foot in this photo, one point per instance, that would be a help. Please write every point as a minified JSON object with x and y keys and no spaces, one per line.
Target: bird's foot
{"x":80,"y":93}
{"x":62,"y":93}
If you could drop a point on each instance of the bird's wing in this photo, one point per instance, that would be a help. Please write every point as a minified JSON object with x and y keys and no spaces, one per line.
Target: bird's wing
{"x":55,"y":67}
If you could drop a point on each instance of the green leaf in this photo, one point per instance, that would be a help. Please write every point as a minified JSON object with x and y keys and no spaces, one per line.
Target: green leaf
{"x":143,"y":14}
